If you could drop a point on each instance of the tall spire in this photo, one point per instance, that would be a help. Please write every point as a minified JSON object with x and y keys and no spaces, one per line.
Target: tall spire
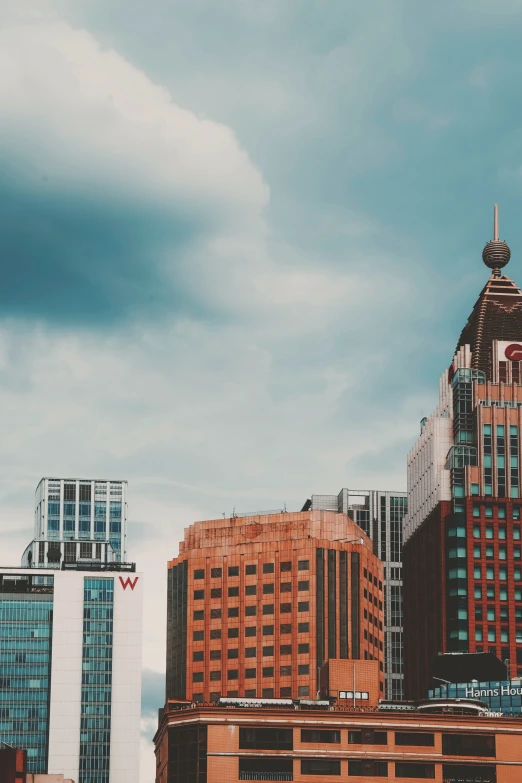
{"x":496,"y":254}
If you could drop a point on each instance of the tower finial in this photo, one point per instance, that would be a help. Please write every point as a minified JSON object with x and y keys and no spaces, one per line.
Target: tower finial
{"x":496,"y":254}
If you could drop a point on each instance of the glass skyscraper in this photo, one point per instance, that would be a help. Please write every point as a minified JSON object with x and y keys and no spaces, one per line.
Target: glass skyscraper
{"x":26,"y":616}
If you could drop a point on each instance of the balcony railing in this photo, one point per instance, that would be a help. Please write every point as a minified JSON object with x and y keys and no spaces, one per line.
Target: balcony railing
{"x":266,"y":776}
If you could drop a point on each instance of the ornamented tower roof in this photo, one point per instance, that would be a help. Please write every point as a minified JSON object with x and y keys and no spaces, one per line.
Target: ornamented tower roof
{"x":497,"y":314}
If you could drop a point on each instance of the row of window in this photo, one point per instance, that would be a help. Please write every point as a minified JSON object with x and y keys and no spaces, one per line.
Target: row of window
{"x":284,"y":608}
{"x":267,"y":650}
{"x":282,"y":769}
{"x":268,"y":589}
{"x":372,"y":599}
{"x":251,"y":630}
{"x":251,"y":673}
{"x":251,"y":693}
{"x":261,"y":738}
{"x":372,"y":578}
{"x":251,"y":569}
{"x":461,"y":573}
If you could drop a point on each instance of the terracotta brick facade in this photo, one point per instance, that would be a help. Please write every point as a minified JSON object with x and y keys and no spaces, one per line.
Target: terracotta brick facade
{"x":256,"y":605}
{"x":225,"y":745}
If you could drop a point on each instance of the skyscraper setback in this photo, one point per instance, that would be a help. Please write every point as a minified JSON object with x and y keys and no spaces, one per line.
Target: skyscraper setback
{"x":462,"y":548}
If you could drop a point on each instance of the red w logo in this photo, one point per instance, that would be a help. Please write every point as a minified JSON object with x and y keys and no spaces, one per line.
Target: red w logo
{"x":128,"y":582}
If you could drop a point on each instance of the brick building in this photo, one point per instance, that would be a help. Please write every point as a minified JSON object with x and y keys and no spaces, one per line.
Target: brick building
{"x":13,"y":768}
{"x":217,"y":744}
{"x":462,"y":549}
{"x":257,"y":605}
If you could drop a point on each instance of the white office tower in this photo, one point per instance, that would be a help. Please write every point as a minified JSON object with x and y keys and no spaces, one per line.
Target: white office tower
{"x":70,"y":670}
{"x":71,"y":637}
{"x":78,"y":520}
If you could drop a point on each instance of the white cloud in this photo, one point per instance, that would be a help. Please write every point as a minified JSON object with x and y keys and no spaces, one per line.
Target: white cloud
{"x":83,"y":116}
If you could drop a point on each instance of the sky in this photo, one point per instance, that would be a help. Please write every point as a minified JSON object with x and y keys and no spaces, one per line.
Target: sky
{"x":238,"y":242}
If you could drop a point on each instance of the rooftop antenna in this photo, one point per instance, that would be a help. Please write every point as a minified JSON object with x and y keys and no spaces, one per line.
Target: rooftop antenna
{"x":495,"y":223}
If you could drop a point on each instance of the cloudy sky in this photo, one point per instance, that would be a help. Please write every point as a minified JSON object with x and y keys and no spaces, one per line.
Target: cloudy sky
{"x":239,"y":239}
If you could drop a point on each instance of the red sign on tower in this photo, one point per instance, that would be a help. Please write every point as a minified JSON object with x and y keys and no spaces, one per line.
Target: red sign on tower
{"x":513,"y":352}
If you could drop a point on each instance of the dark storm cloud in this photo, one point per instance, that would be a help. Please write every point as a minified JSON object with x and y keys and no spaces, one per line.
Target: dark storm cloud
{"x":82,"y":259}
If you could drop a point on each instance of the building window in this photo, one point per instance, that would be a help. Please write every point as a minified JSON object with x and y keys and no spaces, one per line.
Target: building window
{"x":197,"y":656}
{"x":303,"y":606}
{"x":285,"y":587}
{"x":367,"y":736}
{"x":285,"y":628}
{"x":268,"y":671}
{"x":232,"y":674}
{"x":250,"y":570}
{"x":268,"y":568}
{"x":286,"y":566}
{"x":233,"y":611}
{"x":303,"y":627}
{"x":468,"y":745}
{"x":303,"y":586}
{"x":268,"y":650}
{"x":285,"y":608}
{"x":366,"y":768}
{"x":233,"y":592}
{"x":250,"y":652}
{"x":250,"y":674}
{"x":233,"y":653}
{"x":268,"y":609}
{"x":250,"y":611}
{"x":285,"y":649}
{"x":197,"y":676}
{"x":233,"y":570}
{"x":216,"y":592}
{"x":285,"y":671}
{"x":250,"y":630}
{"x":251,"y":768}
{"x":303,"y":648}
{"x":258,"y":738}
{"x":415,"y":738}
{"x":414,"y":769}
{"x":215,"y":655}
{"x":199,"y":573}
{"x":233,"y":633}
{"x":215,"y":614}
{"x":199,"y":595}
{"x":320,"y":767}
{"x":198,"y":636}
{"x":303,"y":690}
{"x":321,"y":735}
{"x":250,"y":590}
{"x":215,"y":675}
{"x":303,"y":565}
{"x":215,"y":633}
{"x":216,"y":573}
{"x":268,"y":588}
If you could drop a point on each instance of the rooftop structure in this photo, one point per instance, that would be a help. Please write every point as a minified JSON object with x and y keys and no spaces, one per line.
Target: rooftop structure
{"x":78,"y":520}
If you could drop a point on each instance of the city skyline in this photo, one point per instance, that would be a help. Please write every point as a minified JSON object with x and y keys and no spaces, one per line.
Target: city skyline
{"x":237,"y":255}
